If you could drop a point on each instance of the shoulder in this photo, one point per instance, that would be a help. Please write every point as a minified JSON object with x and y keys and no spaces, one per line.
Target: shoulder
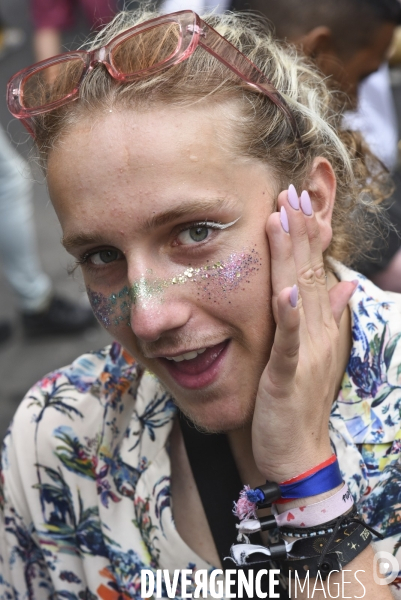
{"x":95,"y":378}
{"x":66,"y":407}
{"x":370,"y":397}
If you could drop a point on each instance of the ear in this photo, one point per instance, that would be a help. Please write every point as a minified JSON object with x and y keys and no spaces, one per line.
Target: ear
{"x":322,"y":187}
{"x":317,"y":42}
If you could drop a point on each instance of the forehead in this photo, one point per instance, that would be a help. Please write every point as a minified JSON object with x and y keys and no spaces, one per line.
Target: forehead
{"x":145,"y":159}
{"x":135,"y":138}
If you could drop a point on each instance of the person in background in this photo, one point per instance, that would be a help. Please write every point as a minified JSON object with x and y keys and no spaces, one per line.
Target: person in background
{"x":376,"y":118}
{"x":11,"y":39}
{"x":51,"y":17}
{"x":42,"y":311}
{"x":350,"y":40}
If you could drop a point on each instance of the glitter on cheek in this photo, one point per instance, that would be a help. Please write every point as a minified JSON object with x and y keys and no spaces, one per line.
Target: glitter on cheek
{"x":111,"y":310}
{"x":214,"y":282}
{"x":216,"y":279}
{"x":219,"y":280}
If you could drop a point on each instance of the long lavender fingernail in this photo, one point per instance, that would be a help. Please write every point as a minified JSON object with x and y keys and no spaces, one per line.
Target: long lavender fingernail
{"x":294,"y":296}
{"x":284,"y":220}
{"x":306,"y":204}
{"x":356,"y":283}
{"x":293,"y":197}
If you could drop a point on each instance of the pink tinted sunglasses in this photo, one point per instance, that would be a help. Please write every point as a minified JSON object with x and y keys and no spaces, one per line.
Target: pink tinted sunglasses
{"x":36,"y":90}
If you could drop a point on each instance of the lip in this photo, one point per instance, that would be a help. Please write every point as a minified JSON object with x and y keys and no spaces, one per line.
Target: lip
{"x":200,"y":371}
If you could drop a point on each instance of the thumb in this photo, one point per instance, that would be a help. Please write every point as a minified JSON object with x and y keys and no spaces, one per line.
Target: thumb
{"x":339,"y":296}
{"x":284,"y":354}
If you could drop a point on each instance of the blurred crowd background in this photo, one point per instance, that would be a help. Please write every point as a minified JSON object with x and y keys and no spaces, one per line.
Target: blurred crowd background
{"x":45,"y":320}
{"x":32,"y":348}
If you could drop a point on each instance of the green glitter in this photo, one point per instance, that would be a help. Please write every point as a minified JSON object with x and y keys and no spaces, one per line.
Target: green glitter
{"x":215,"y":280}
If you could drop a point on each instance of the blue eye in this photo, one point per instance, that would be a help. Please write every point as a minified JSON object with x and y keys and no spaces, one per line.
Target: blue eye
{"x":104,"y":257}
{"x":198,"y":234}
{"x":195,"y":234}
{"x":200,"y":231}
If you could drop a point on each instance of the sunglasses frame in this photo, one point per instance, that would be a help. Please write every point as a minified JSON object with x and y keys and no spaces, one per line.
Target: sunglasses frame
{"x":194,"y":32}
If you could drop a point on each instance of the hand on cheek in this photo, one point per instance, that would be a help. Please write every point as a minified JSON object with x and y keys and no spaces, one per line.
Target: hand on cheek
{"x":290,"y":427}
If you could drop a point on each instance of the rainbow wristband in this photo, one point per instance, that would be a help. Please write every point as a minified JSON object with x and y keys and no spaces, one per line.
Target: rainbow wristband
{"x":320,"y":479}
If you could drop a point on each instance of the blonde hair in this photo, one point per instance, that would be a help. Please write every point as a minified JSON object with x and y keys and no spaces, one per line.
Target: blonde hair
{"x":262,"y":132}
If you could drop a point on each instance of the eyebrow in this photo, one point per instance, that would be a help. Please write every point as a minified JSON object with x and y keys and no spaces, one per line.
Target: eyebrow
{"x":80,"y":239}
{"x":77,"y":240}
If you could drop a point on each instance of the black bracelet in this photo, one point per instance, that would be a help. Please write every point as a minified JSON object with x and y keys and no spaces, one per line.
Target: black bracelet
{"x":307,"y":533}
{"x":320,"y":556}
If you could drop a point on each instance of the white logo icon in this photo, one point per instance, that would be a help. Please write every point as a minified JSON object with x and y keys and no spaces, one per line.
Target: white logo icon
{"x":387,"y":565}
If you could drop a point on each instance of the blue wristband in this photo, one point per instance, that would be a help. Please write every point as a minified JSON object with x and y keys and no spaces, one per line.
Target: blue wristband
{"x":322,"y":481}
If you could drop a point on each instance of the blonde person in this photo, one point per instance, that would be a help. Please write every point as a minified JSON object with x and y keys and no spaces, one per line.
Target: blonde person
{"x":208,"y":193}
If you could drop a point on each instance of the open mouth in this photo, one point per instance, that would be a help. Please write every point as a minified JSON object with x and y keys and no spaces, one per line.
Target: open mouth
{"x":198,"y":368}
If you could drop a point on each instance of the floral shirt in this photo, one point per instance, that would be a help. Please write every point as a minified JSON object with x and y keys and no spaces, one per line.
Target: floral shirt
{"x":86,"y":469}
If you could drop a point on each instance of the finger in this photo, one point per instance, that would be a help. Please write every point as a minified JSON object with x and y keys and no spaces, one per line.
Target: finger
{"x":303,"y":263}
{"x":339,"y":296}
{"x":316,"y":257}
{"x":284,"y":355}
{"x":283,"y":273}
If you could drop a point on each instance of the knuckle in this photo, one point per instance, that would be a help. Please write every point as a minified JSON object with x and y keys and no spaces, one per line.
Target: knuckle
{"x":306,"y":277}
{"x":288,"y":332}
{"x":320,"y":274}
{"x":292,"y":352}
{"x":286,"y":352}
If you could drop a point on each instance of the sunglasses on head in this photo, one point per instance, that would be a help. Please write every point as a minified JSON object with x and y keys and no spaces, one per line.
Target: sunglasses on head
{"x":173,"y":38}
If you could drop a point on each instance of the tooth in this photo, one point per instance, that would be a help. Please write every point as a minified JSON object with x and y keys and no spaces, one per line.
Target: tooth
{"x":186,"y":355}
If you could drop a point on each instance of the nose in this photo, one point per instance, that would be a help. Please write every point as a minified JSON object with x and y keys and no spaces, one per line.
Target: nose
{"x":156,"y":311}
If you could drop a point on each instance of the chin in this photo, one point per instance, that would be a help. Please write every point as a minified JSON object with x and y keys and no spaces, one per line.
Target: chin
{"x":218,"y":416}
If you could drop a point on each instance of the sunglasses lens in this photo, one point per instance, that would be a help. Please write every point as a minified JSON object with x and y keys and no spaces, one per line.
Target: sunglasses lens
{"x":147,"y":49}
{"x":51,"y":84}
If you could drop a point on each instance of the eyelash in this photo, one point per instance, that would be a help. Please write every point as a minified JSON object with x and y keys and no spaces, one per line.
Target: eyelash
{"x":216,"y":226}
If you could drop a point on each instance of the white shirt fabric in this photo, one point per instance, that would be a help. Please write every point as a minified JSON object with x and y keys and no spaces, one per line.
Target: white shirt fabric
{"x":199,"y":6}
{"x":376,"y":117}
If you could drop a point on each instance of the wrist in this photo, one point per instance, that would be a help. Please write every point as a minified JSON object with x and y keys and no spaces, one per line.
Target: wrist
{"x":283,"y":471}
